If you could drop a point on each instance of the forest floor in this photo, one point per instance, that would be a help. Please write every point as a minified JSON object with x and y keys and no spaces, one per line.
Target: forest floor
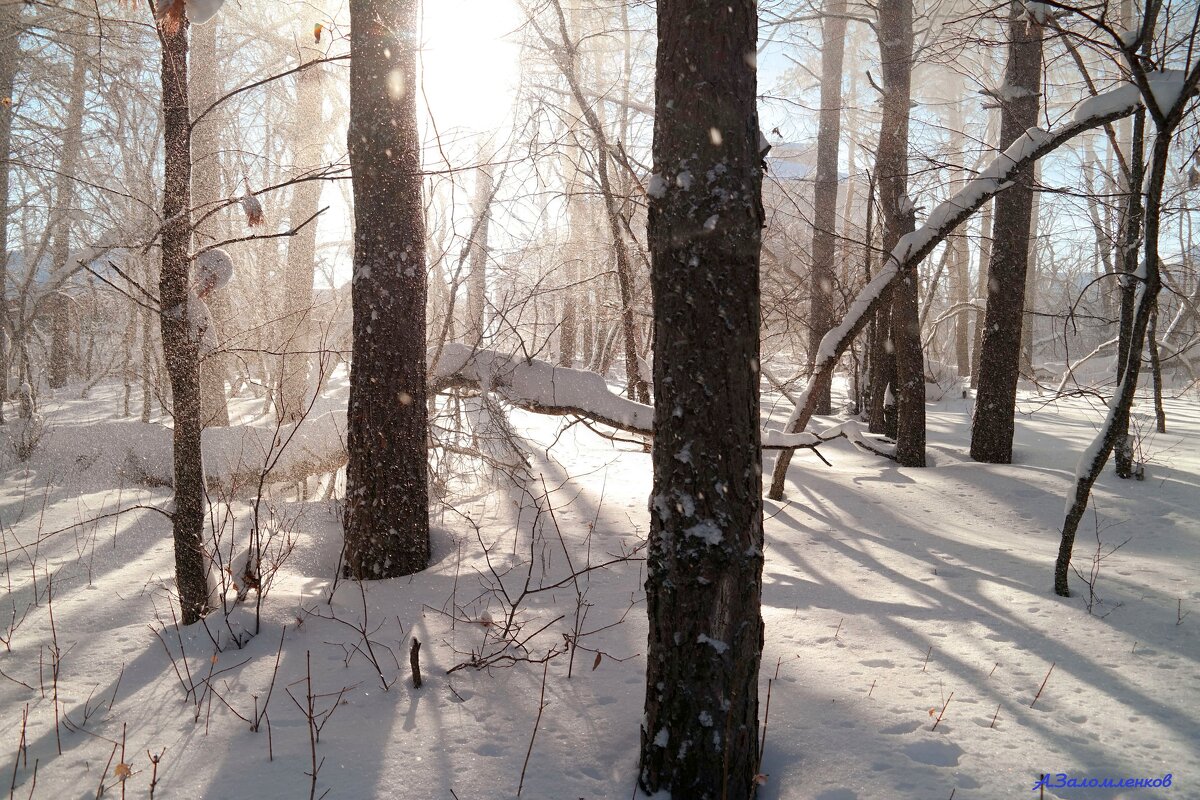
{"x":914,"y":648}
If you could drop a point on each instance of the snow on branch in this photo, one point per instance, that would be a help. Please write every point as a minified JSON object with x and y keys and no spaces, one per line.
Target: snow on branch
{"x":541,"y":387}
{"x":914,"y":247}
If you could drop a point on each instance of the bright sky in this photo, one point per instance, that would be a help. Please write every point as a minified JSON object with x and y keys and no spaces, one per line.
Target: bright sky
{"x":469,"y":62}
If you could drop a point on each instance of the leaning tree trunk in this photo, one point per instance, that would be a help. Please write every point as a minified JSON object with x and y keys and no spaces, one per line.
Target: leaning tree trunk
{"x":895,"y":46}
{"x":1092,"y":462}
{"x":825,"y":191}
{"x":704,"y":571}
{"x":1000,"y":355}
{"x":180,"y":348}
{"x":387,"y":483}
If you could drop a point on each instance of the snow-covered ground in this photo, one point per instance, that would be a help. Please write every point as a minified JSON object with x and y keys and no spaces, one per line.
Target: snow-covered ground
{"x":893,"y":599}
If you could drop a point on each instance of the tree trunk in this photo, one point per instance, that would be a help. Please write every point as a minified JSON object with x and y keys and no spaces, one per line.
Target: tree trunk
{"x":1160,"y":413}
{"x":10,"y":52}
{"x":959,"y":257}
{"x":62,"y":216}
{"x":704,"y":570}
{"x":986,"y":216}
{"x":299,"y":366}
{"x":1132,"y":214}
{"x":481,"y":209}
{"x":999,"y":359}
{"x":387,"y":484}
{"x":825,"y":192}
{"x":1029,"y":320}
{"x":179,"y":346}
{"x":895,"y":47}
{"x":204,"y":89}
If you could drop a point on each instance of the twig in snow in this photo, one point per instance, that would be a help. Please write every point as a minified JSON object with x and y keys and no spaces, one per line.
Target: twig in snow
{"x":1039,"y":691}
{"x":536,"y":723}
{"x":943,"y":711}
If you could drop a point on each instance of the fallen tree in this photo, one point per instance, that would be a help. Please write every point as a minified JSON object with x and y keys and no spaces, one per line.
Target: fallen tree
{"x":236,"y":458}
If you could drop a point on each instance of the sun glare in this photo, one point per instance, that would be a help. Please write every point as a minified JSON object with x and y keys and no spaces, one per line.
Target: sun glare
{"x":470,"y":63}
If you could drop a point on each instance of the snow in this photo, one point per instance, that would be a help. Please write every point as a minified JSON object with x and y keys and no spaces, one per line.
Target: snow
{"x":201,"y":11}
{"x":885,"y":590}
{"x":707,"y":531}
{"x":715,"y":644}
{"x":1165,"y":86}
{"x":539,"y":383}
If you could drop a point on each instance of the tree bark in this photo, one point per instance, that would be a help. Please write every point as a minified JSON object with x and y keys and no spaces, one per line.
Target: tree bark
{"x":1132,"y":214}
{"x":999,"y":360}
{"x":180,"y":348}
{"x":704,"y":571}
{"x":895,"y":47}
{"x":387,"y":494}
{"x":825,"y":191}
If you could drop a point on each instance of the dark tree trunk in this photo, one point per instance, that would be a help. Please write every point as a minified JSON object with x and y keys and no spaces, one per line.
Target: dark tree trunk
{"x":387,"y":485}
{"x":181,"y":350}
{"x":895,"y":47}
{"x":825,"y":192}
{"x":1000,"y":354}
{"x":704,"y":571}
{"x":881,"y":402}
{"x":1132,"y":214}
{"x":1160,"y":413}
{"x":59,"y":367}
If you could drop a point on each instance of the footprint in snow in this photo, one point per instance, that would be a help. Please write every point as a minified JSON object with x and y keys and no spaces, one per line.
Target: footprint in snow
{"x":935,"y":754}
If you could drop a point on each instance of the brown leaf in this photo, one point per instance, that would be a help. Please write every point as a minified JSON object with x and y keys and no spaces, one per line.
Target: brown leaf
{"x":596,"y":663}
{"x":122,"y":771}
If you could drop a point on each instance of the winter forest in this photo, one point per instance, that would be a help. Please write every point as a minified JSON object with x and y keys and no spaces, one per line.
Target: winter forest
{"x":695,"y":399}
